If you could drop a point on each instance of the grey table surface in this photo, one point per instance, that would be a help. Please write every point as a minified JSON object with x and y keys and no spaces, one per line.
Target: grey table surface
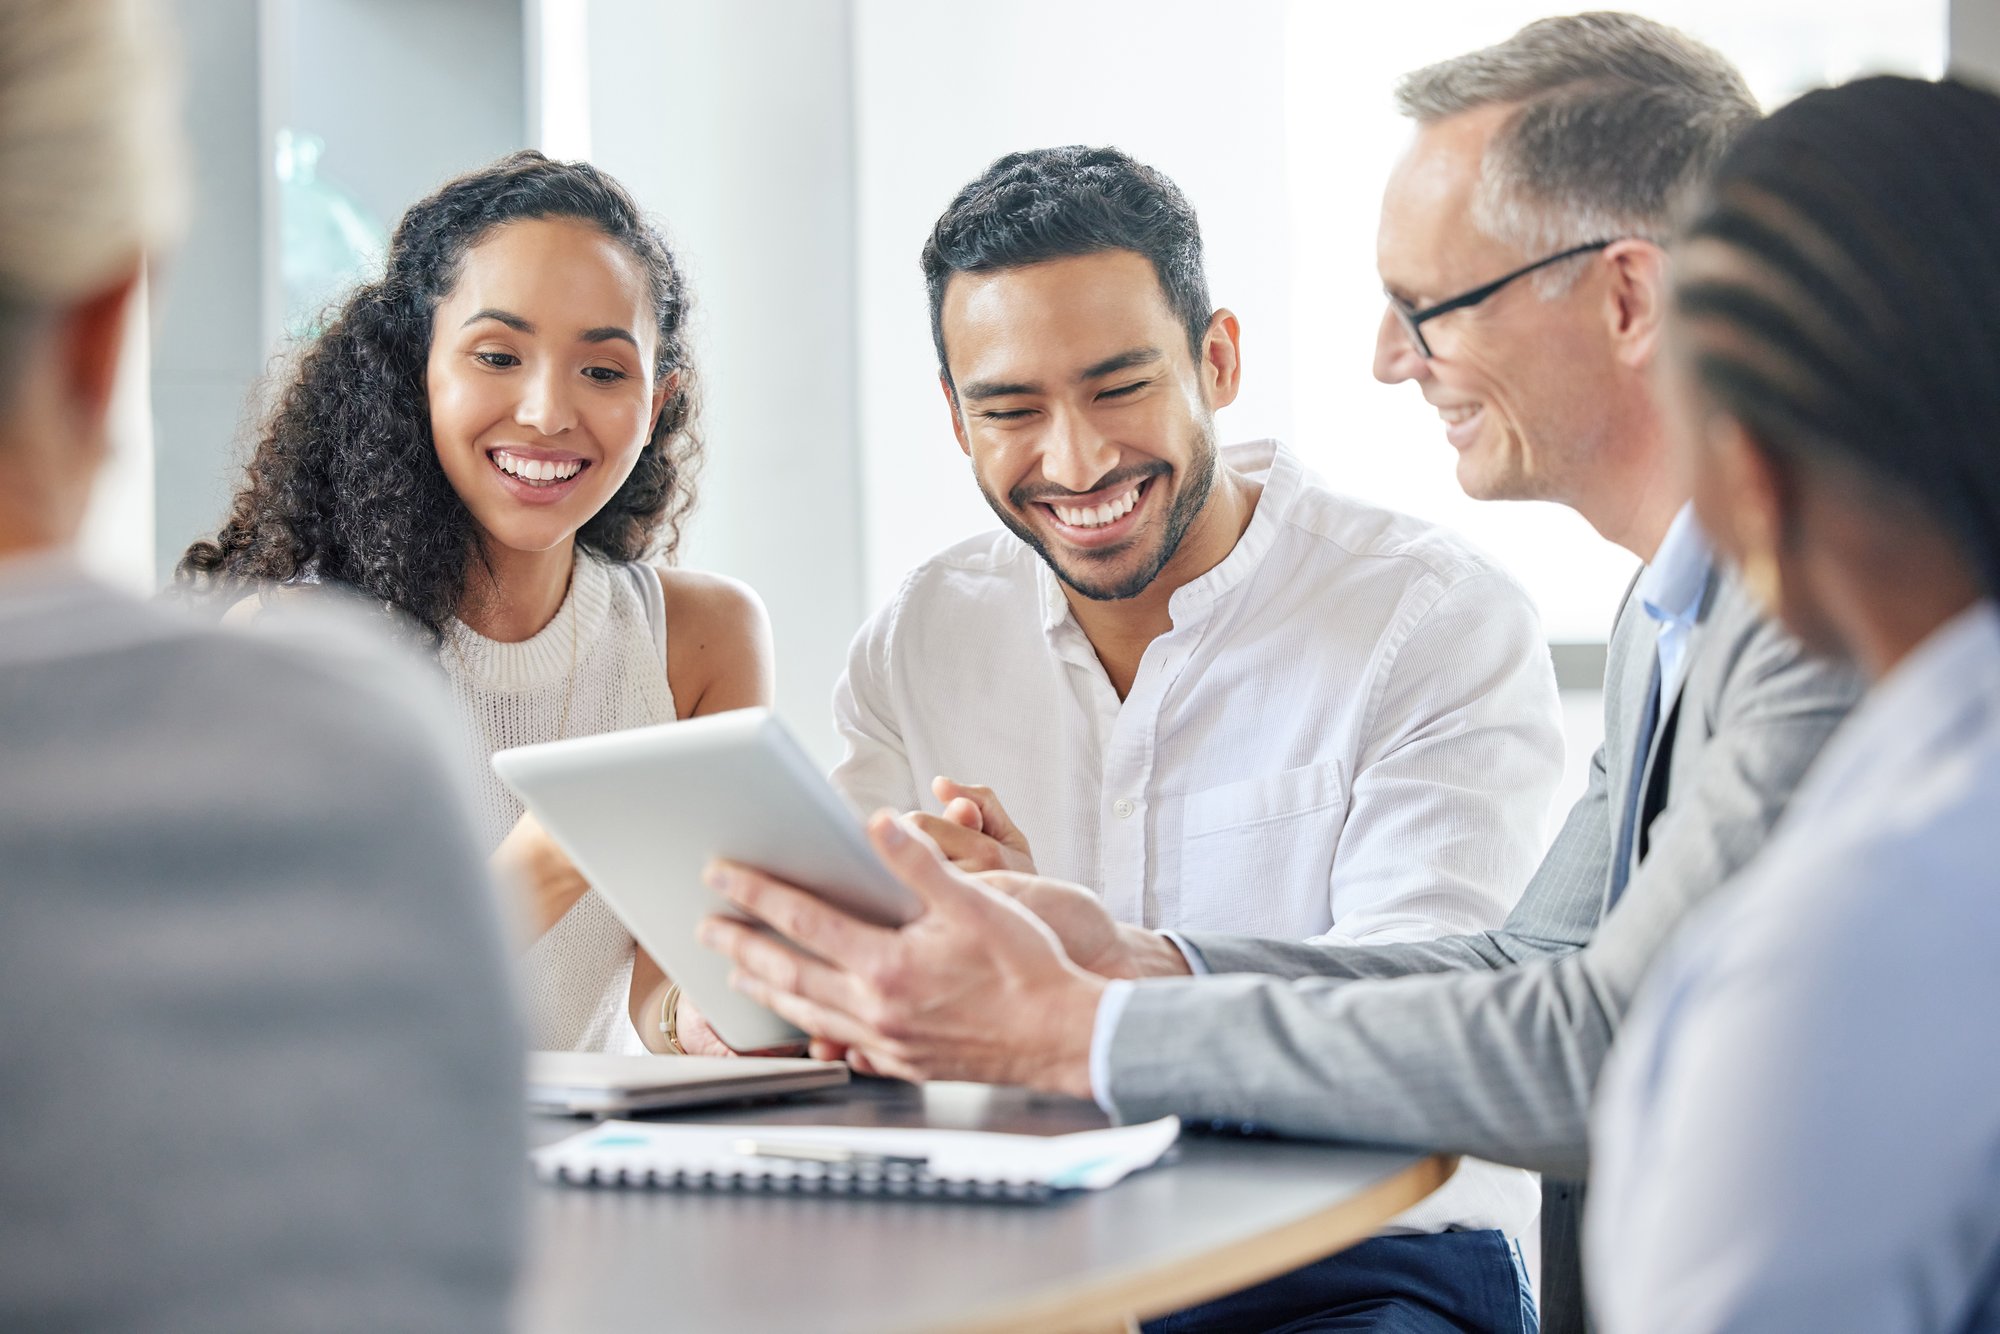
{"x":607,"y":1260}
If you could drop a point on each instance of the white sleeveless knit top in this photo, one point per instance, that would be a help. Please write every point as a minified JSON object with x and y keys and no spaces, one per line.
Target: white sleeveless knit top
{"x":576,"y":978}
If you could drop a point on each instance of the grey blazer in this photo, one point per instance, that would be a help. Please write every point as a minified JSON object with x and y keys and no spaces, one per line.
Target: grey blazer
{"x":1491,"y":1044}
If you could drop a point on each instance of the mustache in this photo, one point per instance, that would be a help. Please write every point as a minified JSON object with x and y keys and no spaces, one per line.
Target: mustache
{"x":1028,"y":494}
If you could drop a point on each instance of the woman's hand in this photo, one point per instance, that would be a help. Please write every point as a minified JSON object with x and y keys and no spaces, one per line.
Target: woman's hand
{"x":546,"y":882}
{"x":696,"y":1037}
{"x":650,"y":989}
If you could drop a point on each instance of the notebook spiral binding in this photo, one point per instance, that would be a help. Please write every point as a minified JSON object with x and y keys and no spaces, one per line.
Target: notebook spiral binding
{"x":813,"y":1180}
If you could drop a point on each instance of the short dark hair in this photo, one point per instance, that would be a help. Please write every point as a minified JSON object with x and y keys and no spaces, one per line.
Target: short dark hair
{"x":1053,"y":203}
{"x":1859,"y":327}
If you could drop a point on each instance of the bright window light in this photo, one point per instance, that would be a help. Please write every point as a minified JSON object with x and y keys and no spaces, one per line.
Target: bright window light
{"x":560,"y":86}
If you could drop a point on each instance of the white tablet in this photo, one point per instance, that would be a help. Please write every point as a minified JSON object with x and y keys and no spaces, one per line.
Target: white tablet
{"x":641,"y":812}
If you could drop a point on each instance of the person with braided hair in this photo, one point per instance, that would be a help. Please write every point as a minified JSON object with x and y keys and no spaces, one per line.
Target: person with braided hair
{"x":491,"y":439}
{"x":1800,"y":1127}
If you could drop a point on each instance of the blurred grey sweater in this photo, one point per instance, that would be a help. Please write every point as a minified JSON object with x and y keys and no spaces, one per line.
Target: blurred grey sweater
{"x":259,"y":1067}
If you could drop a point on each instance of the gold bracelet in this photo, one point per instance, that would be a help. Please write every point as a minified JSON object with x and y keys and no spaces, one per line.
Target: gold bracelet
{"x":670,"y":1005}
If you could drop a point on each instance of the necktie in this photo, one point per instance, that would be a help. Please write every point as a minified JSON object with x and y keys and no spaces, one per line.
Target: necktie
{"x":1628,"y":825}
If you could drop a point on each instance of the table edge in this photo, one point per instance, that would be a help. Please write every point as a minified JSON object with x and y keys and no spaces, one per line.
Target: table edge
{"x":1186,"y":1281}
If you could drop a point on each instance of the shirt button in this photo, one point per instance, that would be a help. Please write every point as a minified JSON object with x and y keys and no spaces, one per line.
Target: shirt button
{"x":1123,"y":808}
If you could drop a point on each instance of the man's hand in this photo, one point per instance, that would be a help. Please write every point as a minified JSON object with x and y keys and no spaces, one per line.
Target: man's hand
{"x":976,"y":987}
{"x":975,"y":832}
{"x":1092,"y":938}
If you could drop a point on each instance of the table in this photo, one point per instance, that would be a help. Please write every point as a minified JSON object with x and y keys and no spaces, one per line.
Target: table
{"x":1232,"y":1211}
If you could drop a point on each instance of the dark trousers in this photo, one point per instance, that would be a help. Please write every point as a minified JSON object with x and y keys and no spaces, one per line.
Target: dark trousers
{"x":1445,"y":1283}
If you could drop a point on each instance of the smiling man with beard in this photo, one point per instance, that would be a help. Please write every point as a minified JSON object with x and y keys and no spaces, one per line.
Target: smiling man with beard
{"x":1194,"y":678}
{"x":1523,"y":249}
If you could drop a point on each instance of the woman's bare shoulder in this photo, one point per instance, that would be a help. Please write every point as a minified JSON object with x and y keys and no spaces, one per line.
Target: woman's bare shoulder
{"x":698,"y":601}
{"x":719,"y":653}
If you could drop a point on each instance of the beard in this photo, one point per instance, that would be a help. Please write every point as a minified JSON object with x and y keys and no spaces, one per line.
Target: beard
{"x":1088,"y":574}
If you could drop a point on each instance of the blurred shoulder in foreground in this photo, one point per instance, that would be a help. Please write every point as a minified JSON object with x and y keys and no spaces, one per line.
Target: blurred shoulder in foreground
{"x":261,"y":1058}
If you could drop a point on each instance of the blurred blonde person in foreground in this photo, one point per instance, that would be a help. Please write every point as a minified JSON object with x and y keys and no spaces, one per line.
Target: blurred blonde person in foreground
{"x":260,"y":1066}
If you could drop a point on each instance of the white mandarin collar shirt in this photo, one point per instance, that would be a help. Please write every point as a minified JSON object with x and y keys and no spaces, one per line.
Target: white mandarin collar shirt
{"x":1800,"y":1124}
{"x":1351,"y":731}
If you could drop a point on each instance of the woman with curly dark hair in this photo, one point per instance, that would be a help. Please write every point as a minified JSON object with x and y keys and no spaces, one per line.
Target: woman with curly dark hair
{"x":492,"y":439}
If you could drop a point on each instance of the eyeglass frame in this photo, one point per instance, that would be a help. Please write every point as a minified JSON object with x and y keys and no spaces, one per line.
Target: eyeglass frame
{"x":1412,"y":319}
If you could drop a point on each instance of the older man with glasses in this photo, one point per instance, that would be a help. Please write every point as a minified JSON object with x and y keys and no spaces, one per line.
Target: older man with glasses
{"x":1541,"y":186}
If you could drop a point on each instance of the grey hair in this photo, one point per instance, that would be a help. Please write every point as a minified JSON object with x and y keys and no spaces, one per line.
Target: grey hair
{"x":1619,"y":121}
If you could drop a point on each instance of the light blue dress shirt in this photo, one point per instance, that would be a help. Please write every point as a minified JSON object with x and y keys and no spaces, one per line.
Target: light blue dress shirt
{"x":1669,"y":592}
{"x":1800,"y":1125}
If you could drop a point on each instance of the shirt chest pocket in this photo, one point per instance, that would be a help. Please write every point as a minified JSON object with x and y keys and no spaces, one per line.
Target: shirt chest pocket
{"x":1257,"y":855}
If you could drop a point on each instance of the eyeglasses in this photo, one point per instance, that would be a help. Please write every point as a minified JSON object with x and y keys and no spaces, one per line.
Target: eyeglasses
{"x":1412,"y":320}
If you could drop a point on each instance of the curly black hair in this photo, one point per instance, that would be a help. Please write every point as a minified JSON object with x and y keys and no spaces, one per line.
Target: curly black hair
{"x":345,"y":485}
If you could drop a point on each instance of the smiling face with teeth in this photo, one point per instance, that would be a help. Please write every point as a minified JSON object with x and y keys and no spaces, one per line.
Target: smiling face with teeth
{"x":1529,"y":385}
{"x":1088,"y":421}
{"x":540,"y":380}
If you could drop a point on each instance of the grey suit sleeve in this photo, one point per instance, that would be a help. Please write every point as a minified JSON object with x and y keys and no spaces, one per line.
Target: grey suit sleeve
{"x":1554,"y":915}
{"x":1500,"y":1064}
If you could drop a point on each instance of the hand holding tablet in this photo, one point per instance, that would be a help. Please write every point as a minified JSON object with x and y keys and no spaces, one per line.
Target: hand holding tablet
{"x":641,"y":812}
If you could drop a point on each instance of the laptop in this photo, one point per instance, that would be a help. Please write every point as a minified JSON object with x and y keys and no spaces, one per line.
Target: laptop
{"x":585,"y":1083}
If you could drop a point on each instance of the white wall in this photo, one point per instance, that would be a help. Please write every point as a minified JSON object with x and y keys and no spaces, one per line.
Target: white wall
{"x":942,"y":87}
{"x":731,"y":124}
{"x":210,"y":327}
{"x":367,"y":76}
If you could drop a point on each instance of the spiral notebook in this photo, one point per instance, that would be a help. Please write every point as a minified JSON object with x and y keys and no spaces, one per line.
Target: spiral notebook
{"x":854,"y":1160}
